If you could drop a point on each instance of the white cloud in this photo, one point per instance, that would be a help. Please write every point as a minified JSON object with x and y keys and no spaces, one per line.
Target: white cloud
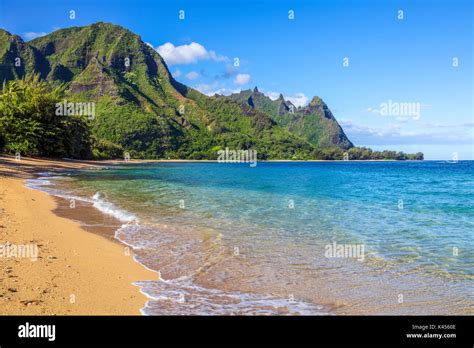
{"x":394,"y":134}
{"x":30,"y":35}
{"x":229,"y":71}
{"x":177,"y":73}
{"x":467,"y":125}
{"x":299,"y":99}
{"x":272,"y":95}
{"x":215,"y":88}
{"x":192,"y":75}
{"x":187,"y":54}
{"x":242,"y":79}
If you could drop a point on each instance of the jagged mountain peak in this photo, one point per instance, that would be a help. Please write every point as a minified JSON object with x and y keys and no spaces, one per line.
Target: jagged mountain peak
{"x":313,"y":122}
{"x":315,"y":101}
{"x":140,"y":103}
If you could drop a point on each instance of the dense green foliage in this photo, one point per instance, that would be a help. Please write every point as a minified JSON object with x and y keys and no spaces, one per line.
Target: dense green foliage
{"x":363,"y":154}
{"x":314,"y":122}
{"x":128,"y":128}
{"x":139,"y":108}
{"x":30,"y":126}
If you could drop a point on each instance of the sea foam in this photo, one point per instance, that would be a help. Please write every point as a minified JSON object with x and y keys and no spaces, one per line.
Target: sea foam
{"x":100,"y":203}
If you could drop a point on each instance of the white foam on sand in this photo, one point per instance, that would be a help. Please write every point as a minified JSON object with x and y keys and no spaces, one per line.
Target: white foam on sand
{"x":99,"y":202}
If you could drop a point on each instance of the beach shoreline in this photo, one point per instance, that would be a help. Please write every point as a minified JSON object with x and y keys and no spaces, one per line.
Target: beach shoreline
{"x":75,"y":272}
{"x":83,"y":252}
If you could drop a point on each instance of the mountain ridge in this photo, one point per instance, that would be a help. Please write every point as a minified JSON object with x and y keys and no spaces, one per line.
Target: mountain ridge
{"x":143,"y":110}
{"x":313,"y":122}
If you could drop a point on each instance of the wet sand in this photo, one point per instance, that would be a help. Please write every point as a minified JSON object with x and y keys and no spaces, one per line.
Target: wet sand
{"x":76,"y":272}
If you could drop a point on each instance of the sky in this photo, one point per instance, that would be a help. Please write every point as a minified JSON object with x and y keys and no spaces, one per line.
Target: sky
{"x":397,"y":75}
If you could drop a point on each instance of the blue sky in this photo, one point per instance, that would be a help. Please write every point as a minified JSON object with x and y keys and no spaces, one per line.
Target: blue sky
{"x":391,"y":60}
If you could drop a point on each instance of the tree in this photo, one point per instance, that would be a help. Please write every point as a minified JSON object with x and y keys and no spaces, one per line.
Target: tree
{"x":30,"y":126}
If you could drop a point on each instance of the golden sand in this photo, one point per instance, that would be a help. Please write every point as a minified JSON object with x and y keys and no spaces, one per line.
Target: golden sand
{"x":77,"y":272}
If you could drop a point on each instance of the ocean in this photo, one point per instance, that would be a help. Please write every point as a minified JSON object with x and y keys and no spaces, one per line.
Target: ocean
{"x":290,"y":238}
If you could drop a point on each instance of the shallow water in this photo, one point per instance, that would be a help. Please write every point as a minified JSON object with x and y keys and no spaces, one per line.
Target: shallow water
{"x":232,"y":239}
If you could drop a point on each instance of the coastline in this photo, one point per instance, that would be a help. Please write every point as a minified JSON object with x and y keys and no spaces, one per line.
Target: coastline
{"x":32,"y":213}
{"x":76,"y":272}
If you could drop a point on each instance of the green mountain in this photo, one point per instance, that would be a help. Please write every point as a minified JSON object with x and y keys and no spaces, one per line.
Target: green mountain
{"x":314,"y":122}
{"x":140,"y":108}
{"x":17,"y":57}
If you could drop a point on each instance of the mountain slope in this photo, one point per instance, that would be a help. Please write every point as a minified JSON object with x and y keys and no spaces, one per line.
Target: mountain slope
{"x":141,"y":109}
{"x":17,"y":57}
{"x":314,"y":122}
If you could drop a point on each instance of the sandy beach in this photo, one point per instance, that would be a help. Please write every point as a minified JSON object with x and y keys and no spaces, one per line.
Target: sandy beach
{"x":76,"y":272}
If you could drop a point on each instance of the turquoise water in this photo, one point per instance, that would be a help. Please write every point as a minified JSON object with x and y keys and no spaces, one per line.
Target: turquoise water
{"x":232,"y":239}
